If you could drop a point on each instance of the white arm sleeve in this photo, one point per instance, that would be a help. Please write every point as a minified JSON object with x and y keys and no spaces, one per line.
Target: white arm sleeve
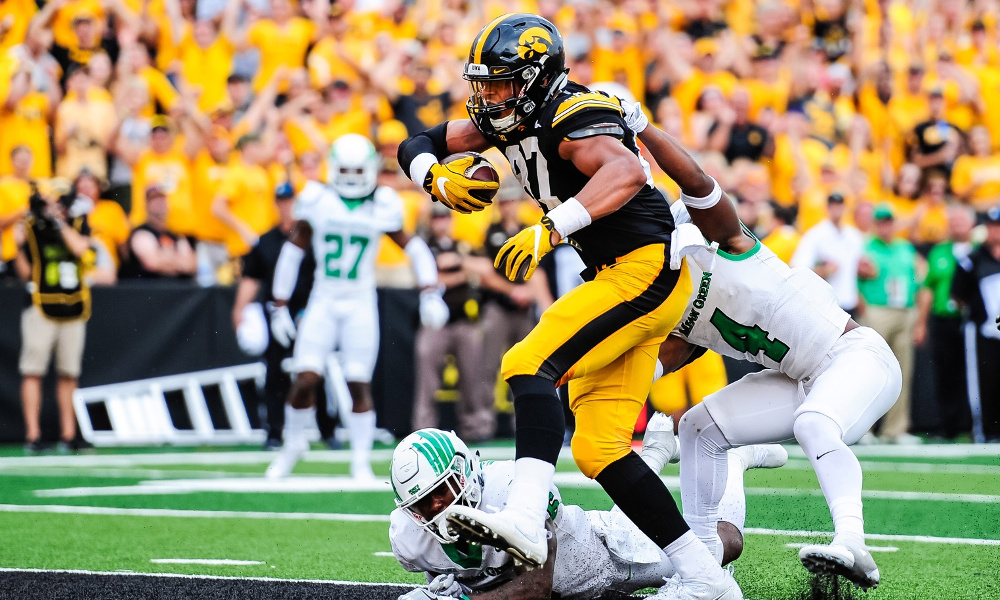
{"x":424,"y":265}
{"x":286,"y":272}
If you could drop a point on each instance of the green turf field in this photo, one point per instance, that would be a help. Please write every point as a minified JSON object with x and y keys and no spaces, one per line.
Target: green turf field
{"x":934,"y":516}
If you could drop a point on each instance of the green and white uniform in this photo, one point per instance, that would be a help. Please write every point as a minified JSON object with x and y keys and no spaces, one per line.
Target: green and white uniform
{"x":342,"y":313}
{"x":596,"y":551}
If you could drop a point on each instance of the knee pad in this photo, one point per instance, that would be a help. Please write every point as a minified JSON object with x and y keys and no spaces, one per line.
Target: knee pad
{"x":593,"y":453}
{"x":516,"y":361}
{"x":694,"y":422}
{"x":816,"y":432}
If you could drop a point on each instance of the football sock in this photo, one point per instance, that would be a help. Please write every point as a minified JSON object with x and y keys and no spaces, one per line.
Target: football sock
{"x":538,"y":438}
{"x":733,"y":506}
{"x":692,"y":560}
{"x":641,"y":495}
{"x":838,"y":472}
{"x":296,"y":422}
{"x":704,"y":475}
{"x":529,"y":492}
{"x":361,"y":429}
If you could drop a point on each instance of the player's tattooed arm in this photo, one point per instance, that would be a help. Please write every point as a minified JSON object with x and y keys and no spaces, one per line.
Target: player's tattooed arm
{"x":531,"y":584}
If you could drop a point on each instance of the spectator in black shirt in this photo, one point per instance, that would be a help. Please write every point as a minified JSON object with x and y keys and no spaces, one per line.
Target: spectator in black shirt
{"x":734,"y":135}
{"x":935,"y":143}
{"x":251,"y":323}
{"x":977,"y":285}
{"x":153,"y":252}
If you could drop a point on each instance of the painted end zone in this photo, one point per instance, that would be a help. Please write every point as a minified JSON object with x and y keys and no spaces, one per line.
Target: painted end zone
{"x":39,"y":584}
{"x":30,"y":584}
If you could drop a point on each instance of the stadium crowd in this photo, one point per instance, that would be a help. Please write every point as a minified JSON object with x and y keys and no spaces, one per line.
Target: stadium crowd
{"x":858,"y":136}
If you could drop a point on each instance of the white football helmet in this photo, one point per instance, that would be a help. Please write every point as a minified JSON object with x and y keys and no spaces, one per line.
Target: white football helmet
{"x":424,"y":461}
{"x":352,"y":166}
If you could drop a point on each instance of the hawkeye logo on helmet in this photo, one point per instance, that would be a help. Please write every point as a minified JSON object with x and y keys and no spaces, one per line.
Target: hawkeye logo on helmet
{"x":534,"y":41}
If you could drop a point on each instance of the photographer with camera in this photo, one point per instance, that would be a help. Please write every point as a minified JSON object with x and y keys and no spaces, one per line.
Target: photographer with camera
{"x":52,"y":261}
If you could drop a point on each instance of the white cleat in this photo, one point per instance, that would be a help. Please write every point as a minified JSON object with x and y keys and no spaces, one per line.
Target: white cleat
{"x":852,"y":562}
{"x":761,"y":456}
{"x":288,"y":456}
{"x":508,"y":530}
{"x":659,"y":440}
{"x":680,"y":589}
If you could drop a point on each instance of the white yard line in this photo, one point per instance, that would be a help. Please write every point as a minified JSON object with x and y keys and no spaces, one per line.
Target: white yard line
{"x":114,"y":472}
{"x":802,"y":464}
{"x":343,"y":456}
{"x":205,"y":561}
{"x":384,"y":554}
{"x":327,"y":484}
{"x":197,"y":514}
{"x":922,"y":539}
{"x":798,"y":545}
{"x":225,"y":514}
{"x":214,"y":577}
{"x":882,"y":495}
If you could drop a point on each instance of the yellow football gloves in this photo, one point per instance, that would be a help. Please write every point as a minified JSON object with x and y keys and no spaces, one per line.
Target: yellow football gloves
{"x":528,"y":246}
{"x":449,"y":186}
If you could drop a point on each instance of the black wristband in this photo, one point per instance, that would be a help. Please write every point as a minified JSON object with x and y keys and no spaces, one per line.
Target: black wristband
{"x":433,"y":141}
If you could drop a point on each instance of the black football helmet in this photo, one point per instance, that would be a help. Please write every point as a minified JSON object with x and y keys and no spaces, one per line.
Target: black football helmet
{"x":516,"y":65}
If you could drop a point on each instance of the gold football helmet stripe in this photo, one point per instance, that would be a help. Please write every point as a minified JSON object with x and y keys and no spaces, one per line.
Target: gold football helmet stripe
{"x":477,"y":46}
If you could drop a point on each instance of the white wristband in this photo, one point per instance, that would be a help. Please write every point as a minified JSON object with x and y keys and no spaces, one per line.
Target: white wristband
{"x":706,"y":202}
{"x":419,"y":166}
{"x":569,"y":217}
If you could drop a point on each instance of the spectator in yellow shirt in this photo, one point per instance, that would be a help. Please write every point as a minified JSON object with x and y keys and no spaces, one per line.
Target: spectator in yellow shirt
{"x":84,"y":125}
{"x":245,"y":200}
{"x":15,"y":190}
{"x":975,"y":178}
{"x":783,"y":238}
{"x":164,"y":164}
{"x":282,"y":38}
{"x":205,"y":54}
{"x":24,"y":120}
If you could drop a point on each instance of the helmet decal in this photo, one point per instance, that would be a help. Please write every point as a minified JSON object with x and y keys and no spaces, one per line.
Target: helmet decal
{"x":533,"y":42}
{"x":437,"y":449}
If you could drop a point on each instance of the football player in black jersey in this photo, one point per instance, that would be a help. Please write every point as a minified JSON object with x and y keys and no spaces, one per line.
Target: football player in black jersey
{"x":572,"y":152}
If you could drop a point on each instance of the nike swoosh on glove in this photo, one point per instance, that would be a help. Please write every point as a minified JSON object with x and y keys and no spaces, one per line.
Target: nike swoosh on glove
{"x":448,"y":185}
{"x":528,"y":246}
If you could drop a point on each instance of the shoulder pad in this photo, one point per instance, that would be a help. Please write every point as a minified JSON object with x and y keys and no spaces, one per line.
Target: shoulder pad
{"x":386,"y":195}
{"x":582,"y":101}
{"x":307,"y":199}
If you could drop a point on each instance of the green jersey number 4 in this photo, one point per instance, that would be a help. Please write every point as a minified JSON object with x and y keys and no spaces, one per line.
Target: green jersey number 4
{"x":750,"y":340}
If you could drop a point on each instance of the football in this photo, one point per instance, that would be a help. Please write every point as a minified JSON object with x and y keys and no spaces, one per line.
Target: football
{"x":480,"y":170}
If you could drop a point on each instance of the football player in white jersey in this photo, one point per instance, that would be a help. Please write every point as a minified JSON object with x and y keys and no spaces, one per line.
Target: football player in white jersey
{"x":343,"y":221}
{"x":827,"y":379}
{"x":590,"y":552}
